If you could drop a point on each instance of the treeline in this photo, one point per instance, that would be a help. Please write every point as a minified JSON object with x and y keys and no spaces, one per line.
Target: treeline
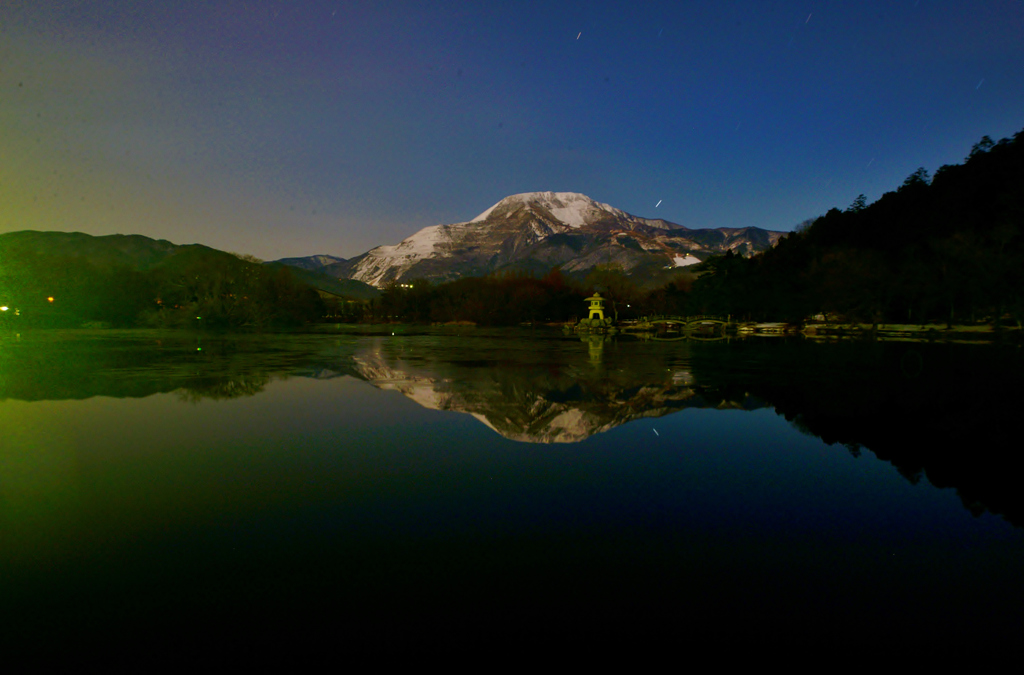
{"x":947,"y":248}
{"x":497,"y":300}
{"x":506,"y":299}
{"x":195,"y":287}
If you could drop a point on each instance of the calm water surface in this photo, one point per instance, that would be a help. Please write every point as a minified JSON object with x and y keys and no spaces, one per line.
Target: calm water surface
{"x":352,"y":480}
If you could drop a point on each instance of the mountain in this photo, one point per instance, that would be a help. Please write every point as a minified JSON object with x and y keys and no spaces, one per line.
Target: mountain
{"x":310,"y":269}
{"x":310,"y":262}
{"x":71,"y":279}
{"x":536,"y":231}
{"x":132,"y":251}
{"x":344,"y":288}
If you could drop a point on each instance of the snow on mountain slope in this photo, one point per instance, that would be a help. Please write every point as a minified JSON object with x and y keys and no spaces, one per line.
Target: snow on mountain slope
{"x":521,"y":230}
{"x":683,"y":261}
{"x":569,"y":208}
{"x":377,"y":262}
{"x":542,"y":214}
{"x":572,"y":209}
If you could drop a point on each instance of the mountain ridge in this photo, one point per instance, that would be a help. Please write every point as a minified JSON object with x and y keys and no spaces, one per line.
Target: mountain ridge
{"x":547,"y":229}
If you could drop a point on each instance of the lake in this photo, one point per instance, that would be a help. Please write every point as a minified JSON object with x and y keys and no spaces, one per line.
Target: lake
{"x":352,"y":480}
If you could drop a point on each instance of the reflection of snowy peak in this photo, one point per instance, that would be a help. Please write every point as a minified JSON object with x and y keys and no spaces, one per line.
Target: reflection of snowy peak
{"x":538,"y":230}
{"x":536,"y":407}
{"x":427,"y":391}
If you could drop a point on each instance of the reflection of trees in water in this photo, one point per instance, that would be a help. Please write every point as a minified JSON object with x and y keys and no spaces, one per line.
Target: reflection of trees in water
{"x":948,"y":416}
{"x":941,"y":412}
{"x":59,"y":365}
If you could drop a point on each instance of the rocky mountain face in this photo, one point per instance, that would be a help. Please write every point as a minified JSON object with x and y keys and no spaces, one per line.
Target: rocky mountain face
{"x":536,"y":231}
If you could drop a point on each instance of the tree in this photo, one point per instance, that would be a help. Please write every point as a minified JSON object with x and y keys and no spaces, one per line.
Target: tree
{"x":611,"y":281}
{"x":858,"y":204}
{"x":981,"y":147}
{"x":919,"y":177}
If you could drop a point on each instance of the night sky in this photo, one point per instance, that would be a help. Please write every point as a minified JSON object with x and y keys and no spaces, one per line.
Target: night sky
{"x":295,"y":128}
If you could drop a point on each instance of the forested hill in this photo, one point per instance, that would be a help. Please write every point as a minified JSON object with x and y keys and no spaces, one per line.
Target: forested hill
{"x":70,"y":279}
{"x":948,"y":248}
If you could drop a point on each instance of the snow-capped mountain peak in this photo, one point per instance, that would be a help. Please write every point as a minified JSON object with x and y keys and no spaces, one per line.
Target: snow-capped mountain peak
{"x":570,"y":208}
{"x":540,"y":230}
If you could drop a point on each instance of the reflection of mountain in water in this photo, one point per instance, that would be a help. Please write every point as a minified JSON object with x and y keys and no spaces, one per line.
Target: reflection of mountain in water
{"x":543,"y":391}
{"x":945,"y":412}
{"x":942,"y":412}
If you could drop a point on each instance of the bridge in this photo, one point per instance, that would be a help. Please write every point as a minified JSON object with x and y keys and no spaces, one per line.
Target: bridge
{"x":665,"y":326}
{"x":686,"y":323}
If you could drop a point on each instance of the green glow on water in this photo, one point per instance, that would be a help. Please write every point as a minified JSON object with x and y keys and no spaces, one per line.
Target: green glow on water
{"x":345,"y":471}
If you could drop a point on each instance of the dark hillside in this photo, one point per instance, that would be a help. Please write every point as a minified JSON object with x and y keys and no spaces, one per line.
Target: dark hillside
{"x":344,"y":288}
{"x":128,"y":250}
{"x":60,"y":279}
{"x":945,"y":249}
